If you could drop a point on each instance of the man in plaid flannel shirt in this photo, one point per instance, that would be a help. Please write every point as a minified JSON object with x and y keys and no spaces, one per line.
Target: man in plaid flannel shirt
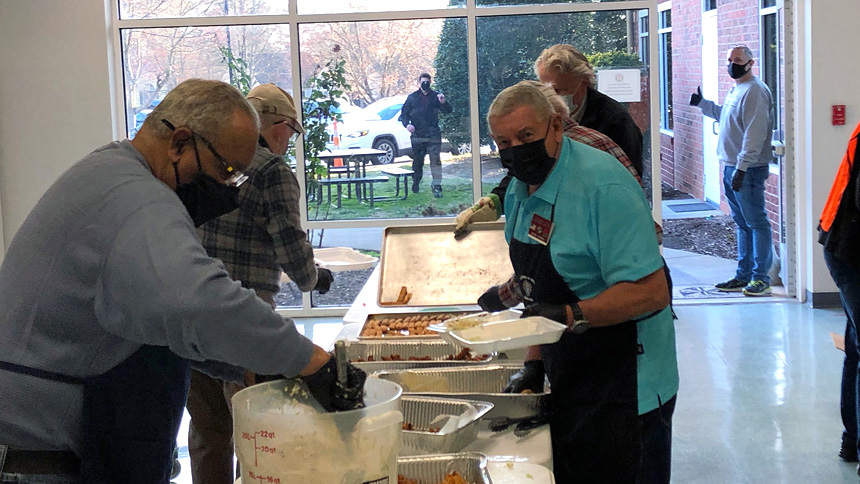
{"x":256,"y":242}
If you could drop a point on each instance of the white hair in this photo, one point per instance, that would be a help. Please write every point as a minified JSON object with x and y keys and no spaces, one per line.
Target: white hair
{"x":203,"y":106}
{"x":521,"y":94}
{"x":566,"y":59}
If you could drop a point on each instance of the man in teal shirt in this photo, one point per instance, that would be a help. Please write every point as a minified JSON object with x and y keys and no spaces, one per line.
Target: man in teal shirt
{"x":585,"y":253}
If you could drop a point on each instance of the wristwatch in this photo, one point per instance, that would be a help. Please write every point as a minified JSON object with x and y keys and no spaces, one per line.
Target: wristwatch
{"x":578,"y":323}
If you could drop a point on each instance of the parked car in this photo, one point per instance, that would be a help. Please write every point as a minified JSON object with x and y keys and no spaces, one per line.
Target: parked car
{"x":378,"y":126}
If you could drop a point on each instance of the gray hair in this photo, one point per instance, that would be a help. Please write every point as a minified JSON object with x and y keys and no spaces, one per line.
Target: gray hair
{"x":557,"y":103}
{"x":203,"y":106}
{"x":566,"y":59}
{"x":521,"y":94}
{"x":744,"y":48}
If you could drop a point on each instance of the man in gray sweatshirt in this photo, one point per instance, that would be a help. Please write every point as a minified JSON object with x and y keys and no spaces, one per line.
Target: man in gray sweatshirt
{"x":746,"y":124}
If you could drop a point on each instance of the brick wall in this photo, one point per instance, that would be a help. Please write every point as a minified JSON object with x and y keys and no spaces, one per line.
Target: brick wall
{"x":737,"y":23}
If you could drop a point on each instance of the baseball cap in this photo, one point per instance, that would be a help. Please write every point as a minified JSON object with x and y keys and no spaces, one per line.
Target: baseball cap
{"x":271,"y":99}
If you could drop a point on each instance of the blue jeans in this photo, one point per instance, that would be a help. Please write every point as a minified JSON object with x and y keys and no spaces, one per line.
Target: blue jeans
{"x":847,"y":279}
{"x":755,"y":241}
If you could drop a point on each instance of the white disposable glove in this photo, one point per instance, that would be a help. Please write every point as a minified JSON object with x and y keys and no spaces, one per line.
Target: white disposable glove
{"x":483,"y":211}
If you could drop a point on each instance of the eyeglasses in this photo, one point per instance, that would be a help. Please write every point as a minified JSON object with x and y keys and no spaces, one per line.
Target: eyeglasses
{"x":236,"y":177}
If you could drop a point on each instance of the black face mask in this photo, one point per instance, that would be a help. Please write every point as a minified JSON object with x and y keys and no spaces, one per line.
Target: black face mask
{"x":529,"y":162}
{"x":203,"y":197}
{"x":736,"y":71}
{"x":425,"y":85}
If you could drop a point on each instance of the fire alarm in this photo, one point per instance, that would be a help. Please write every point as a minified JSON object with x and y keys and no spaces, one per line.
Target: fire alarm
{"x":838,"y":115}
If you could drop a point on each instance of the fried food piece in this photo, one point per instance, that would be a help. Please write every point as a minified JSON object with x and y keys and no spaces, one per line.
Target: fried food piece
{"x":402,"y":295}
{"x":407,"y":297}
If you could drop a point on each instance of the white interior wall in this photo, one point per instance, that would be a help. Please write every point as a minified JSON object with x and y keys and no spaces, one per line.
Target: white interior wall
{"x":828,"y":74}
{"x":55,"y":103}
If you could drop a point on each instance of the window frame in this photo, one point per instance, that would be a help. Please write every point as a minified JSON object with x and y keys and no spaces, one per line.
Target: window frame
{"x":293,"y":20}
{"x":664,"y":33}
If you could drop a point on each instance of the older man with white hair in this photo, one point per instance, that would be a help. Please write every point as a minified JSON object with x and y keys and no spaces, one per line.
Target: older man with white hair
{"x":585,"y":254}
{"x":106,"y":294}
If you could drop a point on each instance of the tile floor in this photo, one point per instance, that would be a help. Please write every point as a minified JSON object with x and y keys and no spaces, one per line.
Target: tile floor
{"x":759,"y":398}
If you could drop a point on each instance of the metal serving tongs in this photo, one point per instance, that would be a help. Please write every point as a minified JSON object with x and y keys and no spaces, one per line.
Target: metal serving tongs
{"x":340,"y":360}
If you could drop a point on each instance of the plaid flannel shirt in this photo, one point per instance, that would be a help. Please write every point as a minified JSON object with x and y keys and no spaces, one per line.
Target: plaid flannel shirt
{"x":264,"y":235}
{"x":596,"y":139}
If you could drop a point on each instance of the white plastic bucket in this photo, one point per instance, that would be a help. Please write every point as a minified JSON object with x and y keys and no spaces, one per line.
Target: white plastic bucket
{"x":280,"y":438}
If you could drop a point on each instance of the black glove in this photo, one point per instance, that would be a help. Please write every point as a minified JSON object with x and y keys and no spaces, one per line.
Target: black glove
{"x":491,"y":301}
{"x":332,"y":395}
{"x":324,"y":280}
{"x":556,"y":312}
{"x":696,"y":97}
{"x":531,"y":377}
{"x":738,"y":180}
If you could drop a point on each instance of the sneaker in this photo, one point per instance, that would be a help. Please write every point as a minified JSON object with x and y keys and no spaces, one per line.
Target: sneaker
{"x":757,"y":288}
{"x":437,"y":192}
{"x":732,"y":285}
{"x":415,"y":187}
{"x":848,"y":451}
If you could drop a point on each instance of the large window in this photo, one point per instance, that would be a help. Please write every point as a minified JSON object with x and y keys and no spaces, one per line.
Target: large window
{"x":357,"y":61}
{"x":664,"y":25}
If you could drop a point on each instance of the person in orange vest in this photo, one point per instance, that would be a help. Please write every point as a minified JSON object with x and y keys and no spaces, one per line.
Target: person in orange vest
{"x":839,"y":233}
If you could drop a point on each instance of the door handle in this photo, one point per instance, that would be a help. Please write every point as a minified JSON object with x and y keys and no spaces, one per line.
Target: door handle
{"x":714,"y":128}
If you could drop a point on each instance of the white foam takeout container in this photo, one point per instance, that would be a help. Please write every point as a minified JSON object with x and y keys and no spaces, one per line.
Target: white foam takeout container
{"x":503,"y":331}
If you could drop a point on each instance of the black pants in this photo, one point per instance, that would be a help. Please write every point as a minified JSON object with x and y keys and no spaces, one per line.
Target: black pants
{"x":426,"y":147}
{"x":657,"y":444}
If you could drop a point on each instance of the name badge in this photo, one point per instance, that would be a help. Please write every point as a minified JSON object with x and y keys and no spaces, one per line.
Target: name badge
{"x":540,"y":229}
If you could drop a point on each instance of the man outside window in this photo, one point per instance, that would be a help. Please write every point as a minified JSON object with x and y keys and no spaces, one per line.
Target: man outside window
{"x":743,"y":146}
{"x":420,"y":116}
{"x":256,"y":243}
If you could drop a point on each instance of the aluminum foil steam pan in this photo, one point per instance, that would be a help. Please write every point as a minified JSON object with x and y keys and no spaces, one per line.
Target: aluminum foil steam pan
{"x":421,"y":412}
{"x":481,"y":382}
{"x":437,"y":350}
{"x":433,"y":468}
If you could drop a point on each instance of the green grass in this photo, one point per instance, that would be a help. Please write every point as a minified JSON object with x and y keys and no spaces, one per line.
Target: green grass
{"x":456,"y":196}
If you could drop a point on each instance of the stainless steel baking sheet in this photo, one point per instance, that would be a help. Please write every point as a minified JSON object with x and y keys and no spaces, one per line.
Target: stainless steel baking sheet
{"x":421,"y":411}
{"x":439,"y":270}
{"x":431,"y":469}
{"x":479,"y":382}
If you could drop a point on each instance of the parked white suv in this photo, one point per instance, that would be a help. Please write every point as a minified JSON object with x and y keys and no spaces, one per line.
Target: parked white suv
{"x":378,"y":126}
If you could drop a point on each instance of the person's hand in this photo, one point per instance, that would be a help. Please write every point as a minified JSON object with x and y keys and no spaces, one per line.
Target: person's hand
{"x":324,"y":280}
{"x":556,"y":312}
{"x":530,"y":378}
{"x":738,"y":180}
{"x":696,"y":98}
{"x":331,"y":394}
{"x":440,"y":97}
{"x":410,"y":128}
{"x":491,"y":301}
{"x":483,"y":211}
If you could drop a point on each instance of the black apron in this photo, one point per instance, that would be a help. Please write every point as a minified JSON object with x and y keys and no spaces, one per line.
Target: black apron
{"x":131,"y":415}
{"x":594,"y":421}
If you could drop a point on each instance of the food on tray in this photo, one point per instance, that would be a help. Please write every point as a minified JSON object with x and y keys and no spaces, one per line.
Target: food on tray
{"x":464,"y":355}
{"x":393,"y":326}
{"x":409,"y":426}
{"x":451,"y":478}
{"x":463,"y":323}
{"x":402,"y":298}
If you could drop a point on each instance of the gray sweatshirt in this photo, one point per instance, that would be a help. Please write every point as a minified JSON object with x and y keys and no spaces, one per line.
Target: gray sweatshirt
{"x":746,"y":124}
{"x":107,"y":261}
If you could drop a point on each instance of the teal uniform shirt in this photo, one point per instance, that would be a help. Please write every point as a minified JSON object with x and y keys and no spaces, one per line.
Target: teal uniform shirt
{"x":603,"y":234}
